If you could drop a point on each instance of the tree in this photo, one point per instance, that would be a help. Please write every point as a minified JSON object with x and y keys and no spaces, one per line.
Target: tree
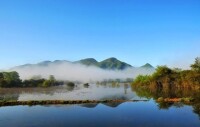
{"x":142,"y":79}
{"x":1,"y":76}
{"x":162,"y":71}
{"x":12,"y":79}
{"x":15,"y":79}
{"x":36,"y":77}
{"x":2,"y":81}
{"x":46,"y":83}
{"x":196,"y":65}
{"x":52,"y":78}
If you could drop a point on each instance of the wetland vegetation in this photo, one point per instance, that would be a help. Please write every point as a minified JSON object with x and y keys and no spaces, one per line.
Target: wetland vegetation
{"x":168,"y":86}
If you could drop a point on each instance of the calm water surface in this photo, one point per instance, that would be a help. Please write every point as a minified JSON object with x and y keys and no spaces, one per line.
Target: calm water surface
{"x":126,"y":114}
{"x":79,"y":92}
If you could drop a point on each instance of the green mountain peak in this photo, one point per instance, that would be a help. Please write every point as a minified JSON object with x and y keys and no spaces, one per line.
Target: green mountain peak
{"x":147,"y":65}
{"x":113,"y":64}
{"x":88,"y":61}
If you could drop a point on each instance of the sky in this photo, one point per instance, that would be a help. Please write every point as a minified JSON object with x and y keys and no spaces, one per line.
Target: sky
{"x":160,"y":32}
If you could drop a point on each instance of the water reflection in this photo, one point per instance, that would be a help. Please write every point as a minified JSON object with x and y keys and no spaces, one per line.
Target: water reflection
{"x":128,"y":114}
{"x":101,"y":91}
{"x":71,"y":92}
{"x":172,"y":93}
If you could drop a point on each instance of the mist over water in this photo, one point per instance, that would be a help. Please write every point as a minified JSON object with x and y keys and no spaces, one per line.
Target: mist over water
{"x":79,"y":72}
{"x":106,"y":91}
{"x":93,"y":92}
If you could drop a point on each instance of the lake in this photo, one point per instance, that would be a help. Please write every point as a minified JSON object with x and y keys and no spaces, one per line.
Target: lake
{"x":148,"y":113}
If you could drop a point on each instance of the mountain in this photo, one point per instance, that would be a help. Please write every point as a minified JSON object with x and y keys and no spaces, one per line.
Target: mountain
{"x":147,"y":66}
{"x":113,"y":64}
{"x":107,"y":64}
{"x":110,"y":63}
{"x":111,"y":105}
{"x":88,"y":62}
{"x":43,"y":63}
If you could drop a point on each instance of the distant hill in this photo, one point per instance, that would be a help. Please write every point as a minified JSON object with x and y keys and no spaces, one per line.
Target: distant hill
{"x":113,"y":64}
{"x":43,"y":63}
{"x":147,"y":66}
{"x":107,"y":64}
{"x":110,"y":63}
{"x":88,"y":62}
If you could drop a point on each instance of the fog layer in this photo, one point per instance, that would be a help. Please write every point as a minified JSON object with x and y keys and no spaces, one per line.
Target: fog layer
{"x":78,"y":72}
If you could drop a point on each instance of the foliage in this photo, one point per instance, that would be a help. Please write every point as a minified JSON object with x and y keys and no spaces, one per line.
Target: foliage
{"x":142,"y":79}
{"x":52,"y":78}
{"x":1,"y":78}
{"x":33,"y":82}
{"x":162,"y":71}
{"x":9,"y":79}
{"x":171,"y":83}
{"x":166,"y":82}
{"x":46,"y":83}
{"x":70,"y":84}
{"x":12,"y":79}
{"x":165,"y":79}
{"x":196,"y":65}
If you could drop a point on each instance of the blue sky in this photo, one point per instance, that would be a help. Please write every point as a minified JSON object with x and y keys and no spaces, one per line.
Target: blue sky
{"x":134,"y":31}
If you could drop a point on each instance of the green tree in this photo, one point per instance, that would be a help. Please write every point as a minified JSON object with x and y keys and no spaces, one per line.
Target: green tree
{"x":142,"y":79}
{"x":46,"y":83}
{"x":196,"y":65}
{"x":1,"y":76}
{"x":52,"y":78}
{"x":162,"y":71}
{"x":2,"y":81}
{"x":36,"y":77}
{"x":12,"y":79}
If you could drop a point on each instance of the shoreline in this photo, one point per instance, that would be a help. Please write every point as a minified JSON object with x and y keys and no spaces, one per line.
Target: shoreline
{"x":57,"y":102}
{"x":186,"y":99}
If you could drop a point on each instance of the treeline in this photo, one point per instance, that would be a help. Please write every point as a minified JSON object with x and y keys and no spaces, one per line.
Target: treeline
{"x":12,"y":79}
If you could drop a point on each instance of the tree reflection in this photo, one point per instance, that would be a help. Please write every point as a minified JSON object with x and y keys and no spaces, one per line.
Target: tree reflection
{"x":154,"y":93}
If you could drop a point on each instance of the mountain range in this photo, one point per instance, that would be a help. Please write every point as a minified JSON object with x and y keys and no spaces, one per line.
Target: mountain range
{"x":108,"y":64}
